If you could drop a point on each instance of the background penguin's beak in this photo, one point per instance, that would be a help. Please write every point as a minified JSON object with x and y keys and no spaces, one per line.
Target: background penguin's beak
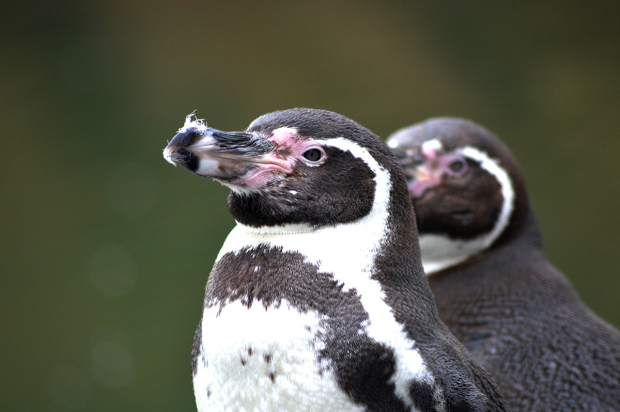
{"x":236,"y":159}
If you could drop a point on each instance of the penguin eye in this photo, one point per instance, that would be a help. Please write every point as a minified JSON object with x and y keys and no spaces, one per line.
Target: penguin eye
{"x":313,"y":154}
{"x":457,"y":166}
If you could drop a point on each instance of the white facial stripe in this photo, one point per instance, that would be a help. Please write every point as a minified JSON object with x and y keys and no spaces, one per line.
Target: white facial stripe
{"x":492,"y":166}
{"x":285,"y":132}
{"x":347,"y":251}
{"x":440,"y":252}
{"x":431,"y":145}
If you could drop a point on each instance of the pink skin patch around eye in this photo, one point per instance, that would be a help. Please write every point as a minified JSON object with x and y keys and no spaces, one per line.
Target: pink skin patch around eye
{"x":273,"y":166}
{"x":430,"y":173}
{"x":290,"y":144}
{"x":284,"y":136}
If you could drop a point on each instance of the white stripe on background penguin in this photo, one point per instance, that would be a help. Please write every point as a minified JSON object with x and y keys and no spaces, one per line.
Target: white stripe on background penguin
{"x":494,"y":286}
{"x":317,"y":300}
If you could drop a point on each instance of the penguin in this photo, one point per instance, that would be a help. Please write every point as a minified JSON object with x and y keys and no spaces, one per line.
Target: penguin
{"x":495,"y":288}
{"x":317,"y":300}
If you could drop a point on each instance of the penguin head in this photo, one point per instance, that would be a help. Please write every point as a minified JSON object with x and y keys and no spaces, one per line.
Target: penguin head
{"x":466,"y":188}
{"x":302,"y":167}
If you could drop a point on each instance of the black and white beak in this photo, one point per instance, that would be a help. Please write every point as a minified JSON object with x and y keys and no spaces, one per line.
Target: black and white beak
{"x":240,"y":160}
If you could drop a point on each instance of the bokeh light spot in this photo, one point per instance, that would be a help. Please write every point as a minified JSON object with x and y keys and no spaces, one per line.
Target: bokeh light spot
{"x":112,"y":364}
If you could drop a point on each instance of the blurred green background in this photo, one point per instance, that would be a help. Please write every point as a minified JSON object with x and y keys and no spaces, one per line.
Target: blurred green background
{"x":106,"y":248}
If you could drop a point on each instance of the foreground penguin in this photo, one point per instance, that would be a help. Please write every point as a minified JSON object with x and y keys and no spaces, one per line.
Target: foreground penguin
{"x":494,"y":287}
{"x":317,"y":300}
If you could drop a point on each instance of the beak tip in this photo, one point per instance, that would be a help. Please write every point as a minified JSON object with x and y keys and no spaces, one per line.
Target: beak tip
{"x":169,"y":152}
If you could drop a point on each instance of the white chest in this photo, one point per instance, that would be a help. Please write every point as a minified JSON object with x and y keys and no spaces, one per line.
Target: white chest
{"x":253,"y":359}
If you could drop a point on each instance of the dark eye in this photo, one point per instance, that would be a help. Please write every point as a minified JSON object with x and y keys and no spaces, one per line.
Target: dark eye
{"x":313,"y":154}
{"x":457,"y":166}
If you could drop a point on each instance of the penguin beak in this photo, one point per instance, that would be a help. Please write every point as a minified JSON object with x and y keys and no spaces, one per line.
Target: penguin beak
{"x":239,"y":160}
{"x":420,"y":175}
{"x":424,"y":178}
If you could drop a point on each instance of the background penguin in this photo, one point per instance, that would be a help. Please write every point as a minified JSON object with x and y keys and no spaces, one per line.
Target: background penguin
{"x":494,"y":286}
{"x":317,"y":300}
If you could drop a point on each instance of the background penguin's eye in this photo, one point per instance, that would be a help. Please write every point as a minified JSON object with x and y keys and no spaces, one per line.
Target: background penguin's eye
{"x":313,"y":154}
{"x":457,"y":166}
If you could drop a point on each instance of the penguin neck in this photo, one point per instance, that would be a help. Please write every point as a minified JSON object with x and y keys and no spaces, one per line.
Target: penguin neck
{"x":329,"y":246}
{"x":514,"y":266}
{"x":377,"y":254}
{"x":346,"y":249}
{"x":520,"y":245}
